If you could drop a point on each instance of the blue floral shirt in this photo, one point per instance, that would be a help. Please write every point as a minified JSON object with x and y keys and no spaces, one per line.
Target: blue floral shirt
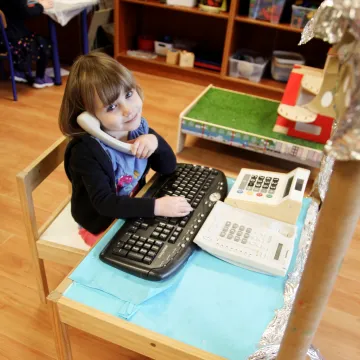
{"x":128,"y":169}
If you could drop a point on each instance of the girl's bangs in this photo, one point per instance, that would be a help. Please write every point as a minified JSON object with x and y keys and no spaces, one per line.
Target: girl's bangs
{"x":113,"y":85}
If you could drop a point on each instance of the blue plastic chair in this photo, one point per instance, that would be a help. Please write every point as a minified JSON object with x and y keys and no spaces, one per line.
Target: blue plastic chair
{"x":7,"y":55}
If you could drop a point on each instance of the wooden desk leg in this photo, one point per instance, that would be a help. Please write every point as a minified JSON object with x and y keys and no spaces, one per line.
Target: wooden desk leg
{"x":336,"y":224}
{"x":180,"y":142}
{"x":62,"y":342}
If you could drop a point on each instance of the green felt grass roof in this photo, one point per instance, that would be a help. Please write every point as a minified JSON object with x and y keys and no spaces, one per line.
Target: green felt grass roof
{"x":243,"y":112}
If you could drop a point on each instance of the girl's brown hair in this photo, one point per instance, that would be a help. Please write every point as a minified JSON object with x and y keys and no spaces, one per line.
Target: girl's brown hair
{"x":94,"y":73}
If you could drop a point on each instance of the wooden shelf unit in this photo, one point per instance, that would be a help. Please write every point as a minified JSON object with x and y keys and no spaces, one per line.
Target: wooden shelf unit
{"x":223,"y":33}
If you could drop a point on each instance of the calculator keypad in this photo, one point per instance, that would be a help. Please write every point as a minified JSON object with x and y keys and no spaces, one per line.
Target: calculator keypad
{"x":261,"y":185}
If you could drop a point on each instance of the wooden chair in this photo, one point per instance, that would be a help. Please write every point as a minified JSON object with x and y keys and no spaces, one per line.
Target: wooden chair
{"x":58,"y":239}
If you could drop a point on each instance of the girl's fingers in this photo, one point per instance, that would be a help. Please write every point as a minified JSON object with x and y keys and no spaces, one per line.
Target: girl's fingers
{"x":144,"y":153}
{"x":140,"y":150}
{"x":134,"y":148}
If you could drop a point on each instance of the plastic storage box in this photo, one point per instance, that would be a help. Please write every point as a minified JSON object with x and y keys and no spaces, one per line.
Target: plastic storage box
{"x":252,"y":69}
{"x":300,"y":16}
{"x":283,"y":62}
{"x":161,"y":48}
{"x":269,"y":10}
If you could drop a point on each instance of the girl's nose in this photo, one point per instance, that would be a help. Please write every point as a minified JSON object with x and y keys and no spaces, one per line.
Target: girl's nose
{"x":125,"y":111}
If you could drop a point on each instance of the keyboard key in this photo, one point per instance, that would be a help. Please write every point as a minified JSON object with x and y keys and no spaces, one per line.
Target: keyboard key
{"x":135,"y":256}
{"x":166,"y":231}
{"x":127,"y":247}
{"x":159,"y":243}
{"x":120,"y":252}
{"x":172,"y":240}
{"x":143,"y":251}
{"x":139,"y":243}
{"x":144,"y":226}
{"x":151,"y":253}
{"x":132,"y":229}
{"x":155,"y":248}
{"x":162,"y":224}
{"x":163,"y":237}
{"x":169,"y":227}
{"x":120,"y":244}
{"x":159,"y":229}
{"x":176,"y":233}
{"x":147,"y":246}
{"x":174,"y":221}
{"x":155,"y":234}
{"x":137,"y":223}
{"x":135,"y":237}
{"x":131,"y":241}
{"x":147,"y":260}
{"x":135,"y":248}
{"x":143,"y":239}
{"x":182,"y":223}
{"x":150,"y":241}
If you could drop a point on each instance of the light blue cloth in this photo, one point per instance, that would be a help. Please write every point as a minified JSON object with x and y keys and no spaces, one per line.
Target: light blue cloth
{"x":209,"y":304}
{"x":128,"y":169}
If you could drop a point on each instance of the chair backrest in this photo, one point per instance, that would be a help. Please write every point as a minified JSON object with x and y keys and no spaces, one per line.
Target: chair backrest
{"x":3,"y":19}
{"x":31,"y":177}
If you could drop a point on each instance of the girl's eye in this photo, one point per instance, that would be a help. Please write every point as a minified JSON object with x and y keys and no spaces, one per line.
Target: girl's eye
{"x":111,"y":107}
{"x":128,"y":94}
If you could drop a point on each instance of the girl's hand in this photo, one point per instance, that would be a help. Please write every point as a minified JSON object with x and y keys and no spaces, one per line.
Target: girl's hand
{"x":47,"y":4}
{"x":172,"y":206}
{"x":144,"y":146}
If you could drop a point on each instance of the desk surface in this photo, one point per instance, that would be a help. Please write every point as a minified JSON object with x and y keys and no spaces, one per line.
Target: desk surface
{"x":64,"y":10}
{"x":210,"y":310}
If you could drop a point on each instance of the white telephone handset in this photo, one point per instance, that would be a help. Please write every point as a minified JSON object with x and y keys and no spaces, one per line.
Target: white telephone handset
{"x":92,"y":125}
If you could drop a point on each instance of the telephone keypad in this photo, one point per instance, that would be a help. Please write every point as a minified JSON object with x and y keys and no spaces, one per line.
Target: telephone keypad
{"x":245,"y":235}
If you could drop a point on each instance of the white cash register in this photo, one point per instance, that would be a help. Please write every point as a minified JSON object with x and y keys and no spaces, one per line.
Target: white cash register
{"x":255,"y":227}
{"x":276,"y":195}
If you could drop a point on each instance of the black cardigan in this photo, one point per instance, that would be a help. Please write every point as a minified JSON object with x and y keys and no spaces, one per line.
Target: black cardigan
{"x":94,"y":203}
{"x":16,"y":11}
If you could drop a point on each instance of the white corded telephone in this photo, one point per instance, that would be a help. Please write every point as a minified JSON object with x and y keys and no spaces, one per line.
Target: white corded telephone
{"x":92,"y":126}
{"x":247,"y":240}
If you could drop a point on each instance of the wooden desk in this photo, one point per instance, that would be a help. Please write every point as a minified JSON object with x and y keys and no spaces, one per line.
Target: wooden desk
{"x":66,"y":312}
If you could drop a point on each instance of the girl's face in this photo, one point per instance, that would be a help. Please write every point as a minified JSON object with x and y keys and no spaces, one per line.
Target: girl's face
{"x":123,"y":115}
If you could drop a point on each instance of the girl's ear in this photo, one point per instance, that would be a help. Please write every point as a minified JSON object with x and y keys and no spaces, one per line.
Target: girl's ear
{"x":140,"y":92}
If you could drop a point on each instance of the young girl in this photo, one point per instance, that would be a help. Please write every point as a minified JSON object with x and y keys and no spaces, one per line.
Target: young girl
{"x":104,"y":179}
{"x":26,"y":46}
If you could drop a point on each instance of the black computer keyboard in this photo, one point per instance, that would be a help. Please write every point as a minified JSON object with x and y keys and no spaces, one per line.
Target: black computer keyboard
{"x":156,"y":248}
